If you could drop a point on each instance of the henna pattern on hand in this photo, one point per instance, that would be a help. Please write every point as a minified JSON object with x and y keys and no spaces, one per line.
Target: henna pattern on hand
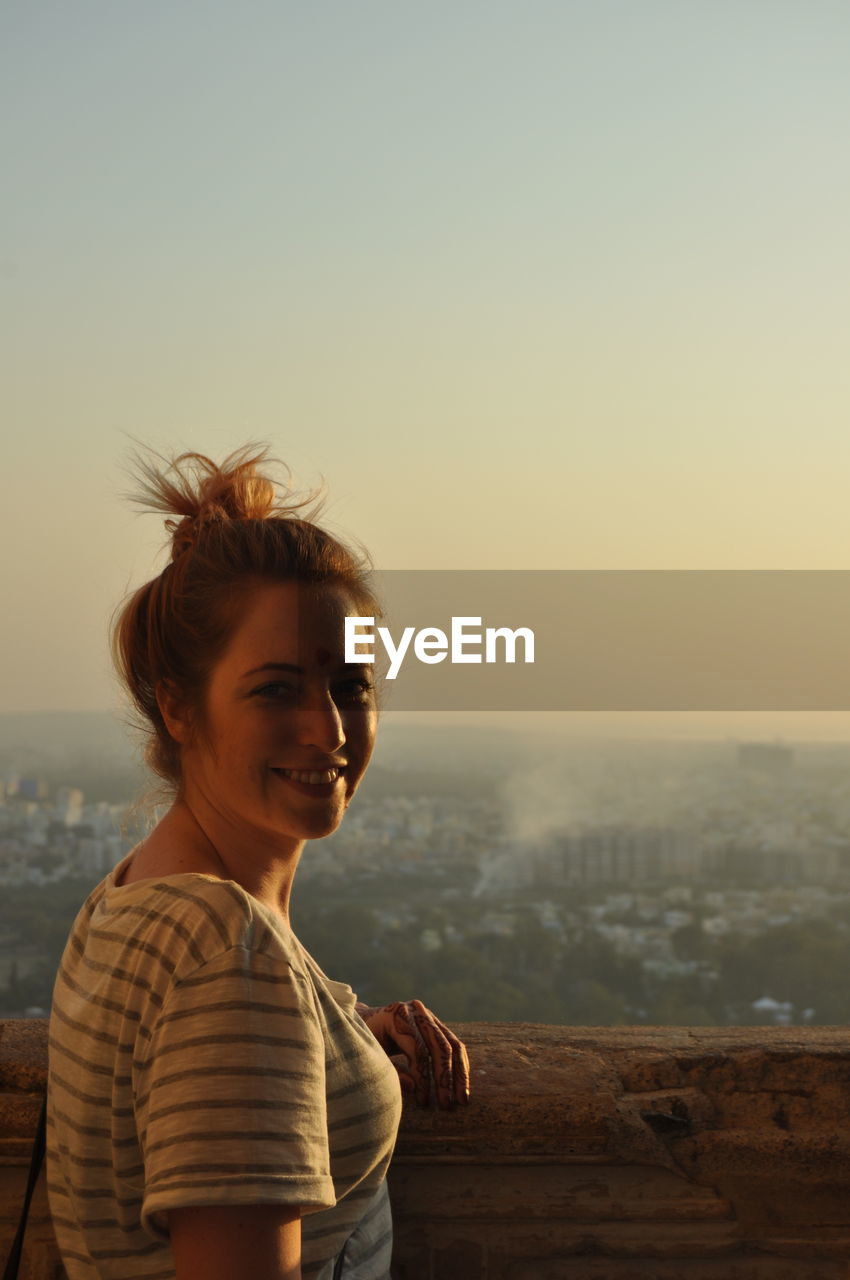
{"x":437,"y":1064}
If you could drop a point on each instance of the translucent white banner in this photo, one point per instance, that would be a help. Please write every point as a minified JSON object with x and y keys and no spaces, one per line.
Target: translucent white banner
{"x":611,"y":640}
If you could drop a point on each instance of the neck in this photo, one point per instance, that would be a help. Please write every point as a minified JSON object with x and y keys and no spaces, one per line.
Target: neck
{"x":264,"y":869}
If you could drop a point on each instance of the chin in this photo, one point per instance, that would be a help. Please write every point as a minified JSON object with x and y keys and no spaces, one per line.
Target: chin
{"x":318,"y":830}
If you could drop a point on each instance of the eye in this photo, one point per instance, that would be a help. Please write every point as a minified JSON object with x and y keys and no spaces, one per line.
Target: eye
{"x":357,"y":689}
{"x":279,"y":690}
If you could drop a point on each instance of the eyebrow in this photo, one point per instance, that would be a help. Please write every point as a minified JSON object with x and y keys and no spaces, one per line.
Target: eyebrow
{"x":299,"y":671}
{"x":274,"y":666}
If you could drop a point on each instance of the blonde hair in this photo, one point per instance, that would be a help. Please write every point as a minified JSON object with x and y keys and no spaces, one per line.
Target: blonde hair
{"x":233,"y":528}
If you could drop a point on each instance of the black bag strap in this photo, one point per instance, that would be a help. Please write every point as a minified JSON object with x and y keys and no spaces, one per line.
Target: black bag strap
{"x":338,"y":1265}
{"x":14,"y":1259}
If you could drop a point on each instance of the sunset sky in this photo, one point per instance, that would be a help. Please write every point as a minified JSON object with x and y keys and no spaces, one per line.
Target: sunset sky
{"x":553,"y":284}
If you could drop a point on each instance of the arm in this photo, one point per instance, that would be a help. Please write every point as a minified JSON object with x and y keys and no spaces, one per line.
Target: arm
{"x":236,"y":1048}
{"x":436,"y":1058}
{"x":235,"y":1242}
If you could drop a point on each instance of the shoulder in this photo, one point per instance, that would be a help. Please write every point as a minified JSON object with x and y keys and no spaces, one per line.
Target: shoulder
{"x":192,"y":920}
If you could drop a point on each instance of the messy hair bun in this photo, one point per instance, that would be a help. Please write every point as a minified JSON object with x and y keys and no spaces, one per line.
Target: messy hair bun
{"x":201,"y":491}
{"x":233,"y":527}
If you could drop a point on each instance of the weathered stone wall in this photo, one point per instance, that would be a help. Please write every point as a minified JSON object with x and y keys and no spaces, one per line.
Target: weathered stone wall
{"x":588,"y":1153}
{"x":23,"y":1065}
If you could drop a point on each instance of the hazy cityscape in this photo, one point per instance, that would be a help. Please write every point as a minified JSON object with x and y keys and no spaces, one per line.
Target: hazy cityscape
{"x":496,"y":876}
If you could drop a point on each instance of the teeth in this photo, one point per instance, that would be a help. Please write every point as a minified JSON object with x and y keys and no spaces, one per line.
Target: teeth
{"x":326,"y":775}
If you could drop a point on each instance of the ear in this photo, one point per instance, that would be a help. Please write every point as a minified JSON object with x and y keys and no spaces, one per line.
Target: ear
{"x":174,"y":712}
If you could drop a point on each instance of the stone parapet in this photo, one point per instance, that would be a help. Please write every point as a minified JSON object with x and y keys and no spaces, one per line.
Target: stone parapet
{"x":587,"y":1153}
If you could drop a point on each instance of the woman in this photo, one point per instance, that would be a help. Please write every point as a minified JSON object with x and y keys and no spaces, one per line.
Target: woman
{"x":218,"y":1107}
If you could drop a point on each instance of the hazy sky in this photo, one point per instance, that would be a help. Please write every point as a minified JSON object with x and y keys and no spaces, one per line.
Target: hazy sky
{"x":532,"y":285}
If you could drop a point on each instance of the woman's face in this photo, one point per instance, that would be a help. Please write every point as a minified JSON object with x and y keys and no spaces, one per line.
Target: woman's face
{"x":289,"y":728}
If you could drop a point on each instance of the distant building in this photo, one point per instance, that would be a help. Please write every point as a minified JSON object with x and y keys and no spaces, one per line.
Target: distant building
{"x":68,"y":805}
{"x":11,"y":782}
{"x":814,"y":865}
{"x":32,"y":788}
{"x":617,"y":855}
{"x":765,"y":757}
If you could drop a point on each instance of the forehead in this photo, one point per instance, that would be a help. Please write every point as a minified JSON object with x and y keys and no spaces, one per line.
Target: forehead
{"x":291,"y":622}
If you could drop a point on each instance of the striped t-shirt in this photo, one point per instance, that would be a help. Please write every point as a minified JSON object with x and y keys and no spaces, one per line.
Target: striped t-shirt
{"x":199,"y":1056}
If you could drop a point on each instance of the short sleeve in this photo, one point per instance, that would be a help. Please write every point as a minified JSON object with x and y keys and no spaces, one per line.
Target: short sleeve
{"x":231,"y":1102}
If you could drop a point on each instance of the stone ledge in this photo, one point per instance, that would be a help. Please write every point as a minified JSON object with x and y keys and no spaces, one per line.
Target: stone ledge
{"x":587,"y":1152}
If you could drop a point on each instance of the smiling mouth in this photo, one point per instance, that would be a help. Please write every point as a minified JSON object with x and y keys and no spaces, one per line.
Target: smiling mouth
{"x":314,"y":777}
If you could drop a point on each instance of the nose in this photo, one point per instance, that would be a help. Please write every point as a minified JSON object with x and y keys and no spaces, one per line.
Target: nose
{"x":319,"y":721}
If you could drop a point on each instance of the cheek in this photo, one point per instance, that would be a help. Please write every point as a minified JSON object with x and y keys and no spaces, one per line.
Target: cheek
{"x":362,"y":747}
{"x":236,"y":761}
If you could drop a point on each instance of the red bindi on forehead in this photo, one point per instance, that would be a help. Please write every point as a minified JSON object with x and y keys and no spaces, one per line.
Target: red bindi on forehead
{"x":323,"y":657}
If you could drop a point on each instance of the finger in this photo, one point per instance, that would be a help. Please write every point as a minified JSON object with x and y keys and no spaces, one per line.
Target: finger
{"x":405,"y":1079}
{"x":460,"y":1067}
{"x":409,"y":1039}
{"x":433,"y":1037}
{"x":423,"y":1069}
{"x":410,"y":1088}
{"x":414,"y":1083}
{"x":440,"y":1052}
{"x":462,"y":1076}
{"x":444,"y":1056}
{"x":460,"y":1070}
{"x":399,"y":1034}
